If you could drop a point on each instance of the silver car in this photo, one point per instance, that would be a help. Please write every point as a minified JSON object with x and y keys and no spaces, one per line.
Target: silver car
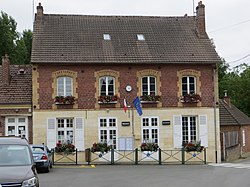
{"x":17,"y":167}
{"x":42,"y":157}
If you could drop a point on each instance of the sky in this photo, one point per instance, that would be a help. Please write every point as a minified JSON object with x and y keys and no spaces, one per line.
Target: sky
{"x":227,"y":21}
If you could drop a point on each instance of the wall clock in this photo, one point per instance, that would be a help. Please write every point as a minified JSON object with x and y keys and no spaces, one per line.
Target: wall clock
{"x":128,"y":88}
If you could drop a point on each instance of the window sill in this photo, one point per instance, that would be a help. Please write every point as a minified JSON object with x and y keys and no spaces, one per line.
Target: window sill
{"x":57,"y":103}
{"x":149,"y":102}
{"x":103,"y":103}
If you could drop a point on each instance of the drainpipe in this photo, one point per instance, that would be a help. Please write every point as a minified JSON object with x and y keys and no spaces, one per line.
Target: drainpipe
{"x":215,"y":117}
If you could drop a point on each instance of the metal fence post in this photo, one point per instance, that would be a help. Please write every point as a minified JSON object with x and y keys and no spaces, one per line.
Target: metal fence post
{"x":205,"y":156}
{"x":53,"y":156}
{"x":182,"y":155}
{"x":76,"y":156}
{"x":159,"y":156}
{"x":112,"y":156}
{"x":136,"y":156}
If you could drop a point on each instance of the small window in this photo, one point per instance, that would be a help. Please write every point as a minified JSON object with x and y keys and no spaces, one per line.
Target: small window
{"x":140,"y":37}
{"x":106,"y":37}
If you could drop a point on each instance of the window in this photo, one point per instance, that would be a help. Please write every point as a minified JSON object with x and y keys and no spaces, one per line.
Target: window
{"x":231,"y":139}
{"x":17,"y":126}
{"x":140,"y":37}
{"x":150,"y":130}
{"x":148,"y":86}
{"x":189,"y":129}
{"x":108,"y":131}
{"x":107,"y":85}
{"x":64,"y":86}
{"x":106,"y":37}
{"x":188,"y":85}
{"x":65,"y":130}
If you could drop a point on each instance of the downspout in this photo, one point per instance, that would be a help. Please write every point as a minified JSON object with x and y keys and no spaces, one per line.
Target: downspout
{"x":215,"y":117}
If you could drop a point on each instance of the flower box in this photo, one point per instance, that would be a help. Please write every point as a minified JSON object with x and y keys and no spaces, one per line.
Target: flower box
{"x":64,"y":148}
{"x":190,"y":98}
{"x":100,"y":147}
{"x":149,"y":146}
{"x":108,"y":99}
{"x":150,"y":98}
{"x":193,"y":146}
{"x":69,"y":100}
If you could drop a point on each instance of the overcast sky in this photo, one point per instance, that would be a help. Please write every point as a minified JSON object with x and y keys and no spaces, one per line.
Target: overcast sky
{"x":227,"y":21}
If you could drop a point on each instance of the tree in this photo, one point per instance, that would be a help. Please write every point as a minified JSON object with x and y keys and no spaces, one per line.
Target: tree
{"x":8,"y":35}
{"x":17,"y":46}
{"x":222,"y":72}
{"x":23,"y":48}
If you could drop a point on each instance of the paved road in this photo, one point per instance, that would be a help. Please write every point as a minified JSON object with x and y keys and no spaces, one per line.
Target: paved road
{"x":148,"y":176}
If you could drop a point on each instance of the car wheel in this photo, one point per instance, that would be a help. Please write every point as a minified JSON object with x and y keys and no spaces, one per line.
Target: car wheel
{"x":48,"y":169}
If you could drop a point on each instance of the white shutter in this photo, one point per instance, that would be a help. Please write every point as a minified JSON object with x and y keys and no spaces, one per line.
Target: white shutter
{"x":79,"y":134}
{"x":51,"y":133}
{"x":203,"y":130}
{"x":177,"y":131}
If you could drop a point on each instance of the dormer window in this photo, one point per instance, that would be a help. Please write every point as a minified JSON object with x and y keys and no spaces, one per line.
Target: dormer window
{"x":21,"y":71}
{"x":106,"y":37}
{"x":140,"y":37}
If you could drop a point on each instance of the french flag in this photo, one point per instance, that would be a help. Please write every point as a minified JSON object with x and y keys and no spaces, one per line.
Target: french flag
{"x":125,"y":105}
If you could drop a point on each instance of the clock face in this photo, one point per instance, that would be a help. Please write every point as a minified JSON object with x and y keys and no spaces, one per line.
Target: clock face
{"x":128,"y":88}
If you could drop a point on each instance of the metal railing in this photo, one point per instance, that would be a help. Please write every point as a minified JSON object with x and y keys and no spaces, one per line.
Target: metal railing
{"x":64,"y":157}
{"x":176,"y":156}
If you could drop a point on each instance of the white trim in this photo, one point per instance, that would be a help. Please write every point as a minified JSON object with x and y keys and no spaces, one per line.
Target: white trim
{"x":150,"y":127}
{"x":108,"y":128}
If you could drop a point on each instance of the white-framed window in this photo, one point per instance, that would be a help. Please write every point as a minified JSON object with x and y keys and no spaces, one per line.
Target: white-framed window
{"x":106,"y":36}
{"x":65,"y":130}
{"x":108,"y":131}
{"x":189,"y":129}
{"x":140,"y":37}
{"x":188,"y":85}
{"x":148,"y":85}
{"x":150,"y":130}
{"x":107,"y":85}
{"x":64,"y":86}
{"x":17,"y":126}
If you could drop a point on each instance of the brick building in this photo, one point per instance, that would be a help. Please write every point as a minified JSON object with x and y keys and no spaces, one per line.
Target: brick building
{"x":168,"y":62}
{"x":15,"y":100}
{"x":234,"y":130}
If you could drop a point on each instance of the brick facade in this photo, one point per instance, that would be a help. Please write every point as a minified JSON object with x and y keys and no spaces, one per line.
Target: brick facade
{"x":87,"y":91}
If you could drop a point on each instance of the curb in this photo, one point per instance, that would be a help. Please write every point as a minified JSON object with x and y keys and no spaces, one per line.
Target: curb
{"x":75,"y":166}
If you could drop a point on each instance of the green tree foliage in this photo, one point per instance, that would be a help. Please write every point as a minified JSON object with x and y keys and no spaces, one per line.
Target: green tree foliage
{"x":8,"y":35}
{"x":237,"y":85}
{"x":17,"y":46}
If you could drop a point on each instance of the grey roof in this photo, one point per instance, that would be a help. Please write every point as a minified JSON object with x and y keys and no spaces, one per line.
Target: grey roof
{"x":230,"y":115}
{"x":79,"y":39}
{"x":19,"y":91}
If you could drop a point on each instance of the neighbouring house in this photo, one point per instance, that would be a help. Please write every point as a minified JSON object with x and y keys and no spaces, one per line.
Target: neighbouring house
{"x":234,"y":131}
{"x":15,"y":100}
{"x":85,"y":67}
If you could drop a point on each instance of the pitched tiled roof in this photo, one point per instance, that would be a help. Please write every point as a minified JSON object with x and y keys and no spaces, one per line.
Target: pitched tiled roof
{"x":19,"y":91}
{"x":79,"y":39}
{"x":230,"y":115}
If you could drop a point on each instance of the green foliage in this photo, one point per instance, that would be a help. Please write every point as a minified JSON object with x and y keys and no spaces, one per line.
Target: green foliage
{"x":17,"y":46}
{"x":8,"y":35}
{"x":237,"y":85}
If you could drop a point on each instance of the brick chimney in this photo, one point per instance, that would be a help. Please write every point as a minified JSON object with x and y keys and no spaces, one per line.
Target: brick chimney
{"x":39,"y":14}
{"x":200,"y":20}
{"x":6,"y":69}
{"x":227,"y":99}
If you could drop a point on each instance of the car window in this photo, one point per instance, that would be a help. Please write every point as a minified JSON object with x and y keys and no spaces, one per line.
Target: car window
{"x":37,"y":149}
{"x":14,"y":155}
